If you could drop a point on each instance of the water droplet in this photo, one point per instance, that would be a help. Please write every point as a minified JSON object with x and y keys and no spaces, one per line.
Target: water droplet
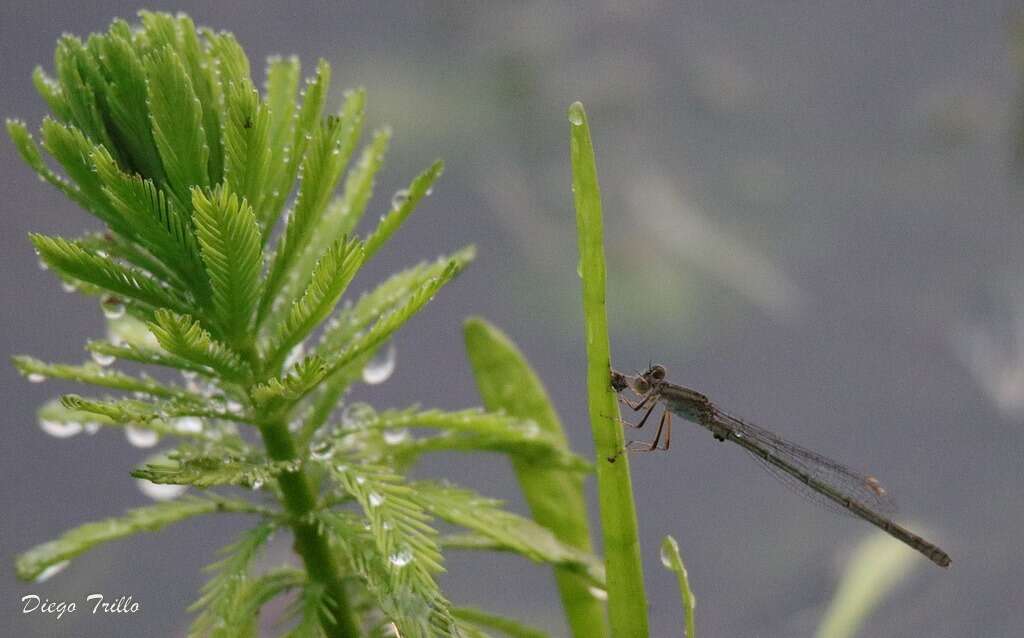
{"x":101,"y":358}
{"x":113,"y":308}
{"x":51,"y":571}
{"x":530,"y":429}
{"x":576,"y":117}
{"x":380,"y":368}
{"x":189,"y":425}
{"x":667,"y":556}
{"x":234,"y":407}
{"x":429,"y":192}
{"x":35,"y":377}
{"x":399,"y":198}
{"x":42,"y":264}
{"x":598,"y":593}
{"x":322,"y":453}
{"x":401,"y":558}
{"x":257,"y":483}
{"x":341,"y":468}
{"x":160,"y":492}
{"x":91,"y":427}
{"x":360,"y":480}
{"x":60,"y":429}
{"x":140,"y":437}
{"x":374,"y":499}
{"x":394,"y":437}
{"x":68,"y":286}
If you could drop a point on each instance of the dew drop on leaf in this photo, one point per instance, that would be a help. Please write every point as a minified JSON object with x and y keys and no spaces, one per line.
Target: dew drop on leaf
{"x":374,"y":499}
{"x":113,"y":308}
{"x":598,"y":593}
{"x":189,"y":425}
{"x":35,"y":377}
{"x":401,"y":558}
{"x":51,"y":571}
{"x":399,"y":198}
{"x":160,"y":492}
{"x":140,"y":437}
{"x":380,"y":368}
{"x":102,"y":359}
{"x":667,"y":558}
{"x":394,"y":437}
{"x":59,"y":429}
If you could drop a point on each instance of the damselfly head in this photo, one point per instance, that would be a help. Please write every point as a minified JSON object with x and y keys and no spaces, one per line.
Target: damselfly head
{"x":655,"y":373}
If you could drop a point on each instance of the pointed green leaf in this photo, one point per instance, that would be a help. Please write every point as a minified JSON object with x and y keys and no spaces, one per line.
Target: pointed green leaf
{"x":341,"y":216}
{"x":282,"y":82}
{"x":73,"y":151}
{"x":126,"y":102}
{"x":231,"y":575}
{"x":507,"y":626}
{"x":302,"y":378}
{"x":332,"y":144}
{"x":485,"y":516}
{"x":673,"y":562}
{"x":51,"y":91}
{"x":95,"y":375}
{"x":156,"y":223}
{"x":402,"y":206}
{"x":331,"y":277}
{"x":207,"y":471}
{"x":247,"y":158}
{"x":302,"y":128}
{"x":177,"y":121}
{"x":75,"y":70}
{"x":71,"y":260}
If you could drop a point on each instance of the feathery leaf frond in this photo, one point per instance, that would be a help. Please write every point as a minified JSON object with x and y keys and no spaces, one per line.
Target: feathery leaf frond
{"x":182,"y":335}
{"x":73,"y":261}
{"x":230,"y":241}
{"x":144,"y":519}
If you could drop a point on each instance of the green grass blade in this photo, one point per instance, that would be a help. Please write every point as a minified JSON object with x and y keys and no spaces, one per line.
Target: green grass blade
{"x":507,"y":382}
{"x":673,"y":562}
{"x":627,"y":602}
{"x":876,"y":567}
{"x":507,"y":626}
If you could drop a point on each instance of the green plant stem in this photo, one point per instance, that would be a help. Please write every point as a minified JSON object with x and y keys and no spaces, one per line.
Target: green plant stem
{"x":300,"y":501}
{"x":627,"y":603}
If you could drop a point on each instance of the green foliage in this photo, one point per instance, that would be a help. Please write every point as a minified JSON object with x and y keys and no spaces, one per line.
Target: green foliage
{"x":220,"y":595}
{"x":232,"y":251}
{"x":673,"y":562}
{"x":507,"y":383}
{"x":627,"y":607}
{"x":77,"y":541}
{"x":159,"y":132}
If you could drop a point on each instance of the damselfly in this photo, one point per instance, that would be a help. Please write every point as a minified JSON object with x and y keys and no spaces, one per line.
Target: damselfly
{"x":818,"y":477}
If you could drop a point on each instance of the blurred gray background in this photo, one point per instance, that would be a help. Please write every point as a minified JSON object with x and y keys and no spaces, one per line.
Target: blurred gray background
{"x":812,"y":215}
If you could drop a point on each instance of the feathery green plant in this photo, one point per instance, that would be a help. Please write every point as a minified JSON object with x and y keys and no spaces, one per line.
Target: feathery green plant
{"x":225,"y":258}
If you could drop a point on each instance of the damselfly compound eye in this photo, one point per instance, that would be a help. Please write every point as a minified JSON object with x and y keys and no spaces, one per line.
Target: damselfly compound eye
{"x":657,"y":372}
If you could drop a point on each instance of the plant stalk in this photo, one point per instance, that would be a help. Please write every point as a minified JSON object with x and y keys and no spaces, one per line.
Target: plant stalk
{"x":310,"y":545}
{"x":627,"y":602}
